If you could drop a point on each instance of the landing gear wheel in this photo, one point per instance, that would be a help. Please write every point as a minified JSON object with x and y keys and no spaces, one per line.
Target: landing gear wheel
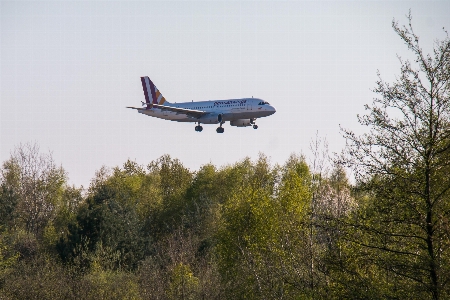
{"x":255,"y":126}
{"x":198,"y":128}
{"x":220,"y":128}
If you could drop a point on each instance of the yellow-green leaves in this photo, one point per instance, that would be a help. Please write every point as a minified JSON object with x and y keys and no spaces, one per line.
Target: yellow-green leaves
{"x":183,"y":284}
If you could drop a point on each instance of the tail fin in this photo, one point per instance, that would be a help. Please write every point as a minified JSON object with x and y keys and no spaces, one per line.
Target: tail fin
{"x":152,"y":95}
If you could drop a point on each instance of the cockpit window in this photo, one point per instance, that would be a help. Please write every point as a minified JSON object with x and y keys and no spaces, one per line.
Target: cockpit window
{"x":263,"y":103}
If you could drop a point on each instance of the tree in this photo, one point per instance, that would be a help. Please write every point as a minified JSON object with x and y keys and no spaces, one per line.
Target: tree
{"x":263,"y":244}
{"x":174,"y":181}
{"x":402,"y":166}
{"x":183,"y":283}
{"x":109,"y":220}
{"x":245,"y":218}
{"x":31,"y":188}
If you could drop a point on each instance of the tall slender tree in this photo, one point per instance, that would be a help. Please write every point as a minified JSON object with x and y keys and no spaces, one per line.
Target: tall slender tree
{"x":403,"y":164}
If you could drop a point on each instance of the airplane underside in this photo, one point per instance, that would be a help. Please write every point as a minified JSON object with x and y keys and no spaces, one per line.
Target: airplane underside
{"x":241,"y":119}
{"x":211,"y":120}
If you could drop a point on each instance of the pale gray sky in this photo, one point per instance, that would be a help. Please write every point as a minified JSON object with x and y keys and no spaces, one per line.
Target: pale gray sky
{"x":68,"y":69}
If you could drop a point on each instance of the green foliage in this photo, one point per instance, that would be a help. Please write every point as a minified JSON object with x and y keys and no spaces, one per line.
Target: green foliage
{"x":126,"y":209}
{"x":203,"y":197}
{"x":183,"y":283}
{"x":8,"y":203}
{"x":174,"y":180}
{"x":44,"y":278}
{"x":248,"y":230}
{"x":109,"y":285}
{"x":38,"y":277}
{"x":8,"y":258}
{"x":402,"y":167}
{"x":109,"y":218}
{"x":264,"y":231}
{"x":31,"y":189}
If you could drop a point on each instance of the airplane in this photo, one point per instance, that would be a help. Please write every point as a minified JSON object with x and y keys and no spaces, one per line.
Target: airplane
{"x":239,"y":112}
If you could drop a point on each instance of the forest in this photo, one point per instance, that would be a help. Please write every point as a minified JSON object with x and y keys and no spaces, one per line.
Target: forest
{"x":251,"y":229}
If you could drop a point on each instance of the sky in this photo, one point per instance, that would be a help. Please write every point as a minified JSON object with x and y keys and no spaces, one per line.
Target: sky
{"x":68,"y":69}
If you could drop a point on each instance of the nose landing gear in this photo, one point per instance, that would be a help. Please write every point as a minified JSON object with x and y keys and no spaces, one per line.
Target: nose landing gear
{"x":252,"y":121}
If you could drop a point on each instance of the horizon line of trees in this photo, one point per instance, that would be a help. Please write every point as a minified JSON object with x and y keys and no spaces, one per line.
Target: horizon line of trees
{"x":249,"y":230}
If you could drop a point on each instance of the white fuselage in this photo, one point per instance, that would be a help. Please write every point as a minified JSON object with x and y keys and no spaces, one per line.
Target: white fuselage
{"x":239,"y":112}
{"x":232,"y":109}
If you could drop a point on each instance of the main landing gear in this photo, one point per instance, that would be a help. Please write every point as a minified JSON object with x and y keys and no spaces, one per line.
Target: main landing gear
{"x":255,"y":126}
{"x":198,"y":128}
{"x":220,"y":129}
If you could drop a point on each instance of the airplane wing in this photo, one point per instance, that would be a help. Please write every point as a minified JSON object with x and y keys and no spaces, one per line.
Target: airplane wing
{"x":189,"y":112}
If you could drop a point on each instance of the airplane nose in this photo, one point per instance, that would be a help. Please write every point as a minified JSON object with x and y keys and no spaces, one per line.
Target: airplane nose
{"x":273,"y":109}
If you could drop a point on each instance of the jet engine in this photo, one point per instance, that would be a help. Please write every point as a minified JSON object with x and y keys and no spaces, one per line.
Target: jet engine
{"x":211,"y":119}
{"x":241,"y":122}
